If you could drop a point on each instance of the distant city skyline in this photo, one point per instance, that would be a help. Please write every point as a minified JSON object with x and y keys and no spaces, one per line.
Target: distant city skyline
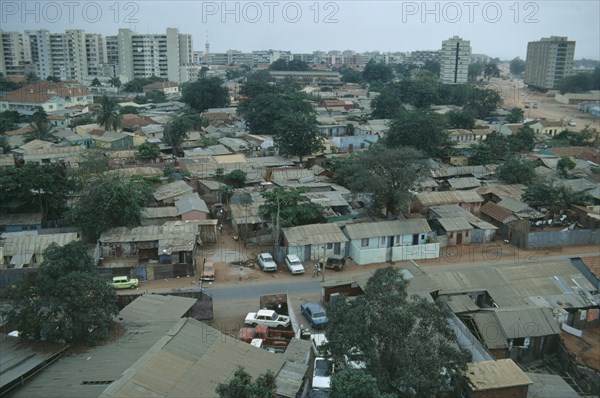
{"x":499,"y":29}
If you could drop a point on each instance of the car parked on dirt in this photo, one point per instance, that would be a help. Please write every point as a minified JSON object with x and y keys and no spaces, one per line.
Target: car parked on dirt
{"x":315,"y":314}
{"x":335,"y":262}
{"x":124,"y":282}
{"x":208,"y":272}
{"x":268,"y":318}
{"x":294,"y":264}
{"x":266,"y":262}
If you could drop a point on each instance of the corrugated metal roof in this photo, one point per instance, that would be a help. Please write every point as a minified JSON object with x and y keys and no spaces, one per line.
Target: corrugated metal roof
{"x":464,"y":182}
{"x":526,"y":322}
{"x":476,"y":171}
{"x":327,"y":199}
{"x":190,"y":202}
{"x":35,"y":244}
{"x":491,"y":375}
{"x":461,"y":303}
{"x":156,"y":307}
{"x":387,"y":228}
{"x":492,"y":335}
{"x":455,"y":224}
{"x":171,"y":190}
{"x":549,"y":386}
{"x":513,"y":205}
{"x":453,"y":211}
{"x":498,"y":213}
{"x":453,"y":197}
{"x":160,"y":212}
{"x":21,"y":219}
{"x":314,"y":234}
{"x":241,"y":215}
{"x":191,"y":361}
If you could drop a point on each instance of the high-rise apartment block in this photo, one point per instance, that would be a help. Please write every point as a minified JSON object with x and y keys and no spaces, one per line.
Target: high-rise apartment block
{"x":76,"y":55}
{"x":454,"y":60}
{"x":549,"y":60}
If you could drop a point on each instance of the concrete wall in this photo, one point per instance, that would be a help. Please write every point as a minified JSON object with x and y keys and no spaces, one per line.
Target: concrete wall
{"x":194,"y":215}
{"x":315,"y":252}
{"x":363,"y":255}
{"x":562,"y":238}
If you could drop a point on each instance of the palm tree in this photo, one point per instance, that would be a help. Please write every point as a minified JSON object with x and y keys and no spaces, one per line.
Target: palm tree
{"x":109,"y":117}
{"x":115,"y":82}
{"x":41,"y":131}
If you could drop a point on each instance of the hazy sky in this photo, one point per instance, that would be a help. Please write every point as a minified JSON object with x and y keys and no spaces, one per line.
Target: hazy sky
{"x":497,"y":28}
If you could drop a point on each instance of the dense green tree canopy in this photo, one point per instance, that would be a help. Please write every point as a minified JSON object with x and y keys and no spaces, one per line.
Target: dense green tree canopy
{"x":460,"y":120}
{"x":516,"y":115}
{"x":355,"y":383}
{"x":406,"y":341}
{"x":264,"y":113}
{"x":176,"y":132}
{"x":296,"y":134}
{"x":388,"y":174}
{"x":136,"y":85}
{"x":108,"y":116}
{"x":564,"y":165}
{"x":34,"y":187}
{"x":580,"y":82}
{"x":516,"y":171}
{"x":293,"y":65}
{"x":65,"y":301}
{"x":421,"y":129}
{"x":544,"y":193}
{"x":475,"y":70}
{"x":106,"y":202}
{"x":205,"y":93}
{"x":292,"y":207}
{"x":147,"y":151}
{"x":40,"y":127}
{"x":517,"y":66}
{"x":377,"y":72}
{"x":241,"y":385}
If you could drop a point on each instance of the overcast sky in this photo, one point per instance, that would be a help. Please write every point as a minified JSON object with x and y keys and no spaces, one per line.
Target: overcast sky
{"x":497,"y":28}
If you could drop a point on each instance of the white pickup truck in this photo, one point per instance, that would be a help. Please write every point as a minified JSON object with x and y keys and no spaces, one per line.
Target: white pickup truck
{"x":268,"y":318}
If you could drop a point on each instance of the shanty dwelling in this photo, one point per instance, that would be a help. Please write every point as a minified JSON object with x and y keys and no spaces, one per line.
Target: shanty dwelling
{"x":26,"y":251}
{"x":520,"y":333}
{"x":311,"y":242}
{"x":469,"y":200}
{"x":191,"y":207}
{"x":168,"y":193}
{"x":499,"y":216}
{"x":481,"y":232}
{"x":381,"y":241}
{"x":453,"y":231}
{"x":495,"y":379}
{"x":154,"y":252}
{"x":16,"y":222}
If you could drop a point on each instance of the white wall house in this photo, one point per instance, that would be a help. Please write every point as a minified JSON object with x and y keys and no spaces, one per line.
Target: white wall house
{"x":314,"y":241}
{"x":378,"y":242}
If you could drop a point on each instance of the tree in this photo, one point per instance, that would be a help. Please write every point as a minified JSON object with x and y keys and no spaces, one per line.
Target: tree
{"x":205,"y":93}
{"x":235,"y":178}
{"x":9,"y":120}
{"x":156,"y":96}
{"x":242,"y":386}
{"x":577,"y":83}
{"x":491,"y":70}
{"x":432,"y":66}
{"x":108,"y":115}
{"x":176,"y":132}
{"x":564,"y":165}
{"x":66,"y":300}
{"x":263,"y":112}
{"x":421,"y":129}
{"x":388,"y":174}
{"x":481,"y":154}
{"x":586,"y":137}
{"x":293,"y":65}
{"x":516,"y":171}
{"x":475,"y":70}
{"x":350,"y":75}
{"x":354,"y":383}
{"x":147,"y":151}
{"x":377,"y":72}
{"x":40,"y":128}
{"x":31,"y":77}
{"x":34,"y":186}
{"x":482,"y":102}
{"x":289,"y":208}
{"x":296,"y":134}
{"x":225,"y":193}
{"x":517,"y":66}
{"x":543,"y":193}
{"x":516,"y":115}
{"x":105,"y":202}
{"x":407,"y":343}
{"x":460,"y":120}
{"x":96,"y":82}
{"x":523,"y":141}
{"x":137,"y":85}
{"x":389,"y":102}
{"x":129,"y":109}
{"x":115,"y":82}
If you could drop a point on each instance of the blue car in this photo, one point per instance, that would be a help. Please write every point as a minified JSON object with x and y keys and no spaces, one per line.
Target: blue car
{"x":315,"y":314}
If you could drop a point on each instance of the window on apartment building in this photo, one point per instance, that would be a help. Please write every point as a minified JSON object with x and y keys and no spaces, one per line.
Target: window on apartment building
{"x":364,"y":242}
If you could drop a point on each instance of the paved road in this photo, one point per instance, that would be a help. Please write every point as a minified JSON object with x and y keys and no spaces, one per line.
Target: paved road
{"x":311,"y":287}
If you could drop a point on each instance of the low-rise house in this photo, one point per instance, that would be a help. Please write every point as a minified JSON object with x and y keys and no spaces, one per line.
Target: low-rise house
{"x":470,"y":200}
{"x":47,"y":95}
{"x":168,"y":193}
{"x":164,"y":87}
{"x":352,"y":142}
{"x":453,"y":230}
{"x":381,"y":241}
{"x":17,"y":222}
{"x":113,"y":141}
{"x":481,"y":232}
{"x":43,"y":152}
{"x":499,"y":216}
{"x":191,"y":207}
{"x":27,"y":251}
{"x":501,"y":378}
{"x":464,"y":136}
{"x":158,"y":215}
{"x":314,"y":241}
{"x":547,"y":127}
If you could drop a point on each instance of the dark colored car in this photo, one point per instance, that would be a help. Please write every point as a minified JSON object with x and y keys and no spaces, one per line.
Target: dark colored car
{"x":315,"y":314}
{"x":335,"y":262}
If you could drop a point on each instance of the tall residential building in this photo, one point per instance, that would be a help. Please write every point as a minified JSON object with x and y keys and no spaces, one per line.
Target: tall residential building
{"x":39,"y":43}
{"x":548,"y":61}
{"x":15,"y":55}
{"x":454,"y":60}
{"x":143,"y":55}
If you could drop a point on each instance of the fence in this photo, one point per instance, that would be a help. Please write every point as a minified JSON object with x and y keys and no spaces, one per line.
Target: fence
{"x":545,"y":239}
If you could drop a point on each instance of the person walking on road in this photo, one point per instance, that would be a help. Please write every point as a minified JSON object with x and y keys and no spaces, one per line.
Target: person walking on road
{"x":316,"y":270}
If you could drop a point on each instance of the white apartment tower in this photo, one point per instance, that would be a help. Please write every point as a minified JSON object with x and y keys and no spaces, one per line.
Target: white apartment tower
{"x":15,"y":55}
{"x":454,"y":60}
{"x":548,"y":62}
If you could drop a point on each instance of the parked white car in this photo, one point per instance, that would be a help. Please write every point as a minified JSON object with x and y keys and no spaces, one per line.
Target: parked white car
{"x":294,"y":264}
{"x":355,"y":359}
{"x":266,"y":262}
{"x":268,"y":318}
{"x":322,"y":374}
